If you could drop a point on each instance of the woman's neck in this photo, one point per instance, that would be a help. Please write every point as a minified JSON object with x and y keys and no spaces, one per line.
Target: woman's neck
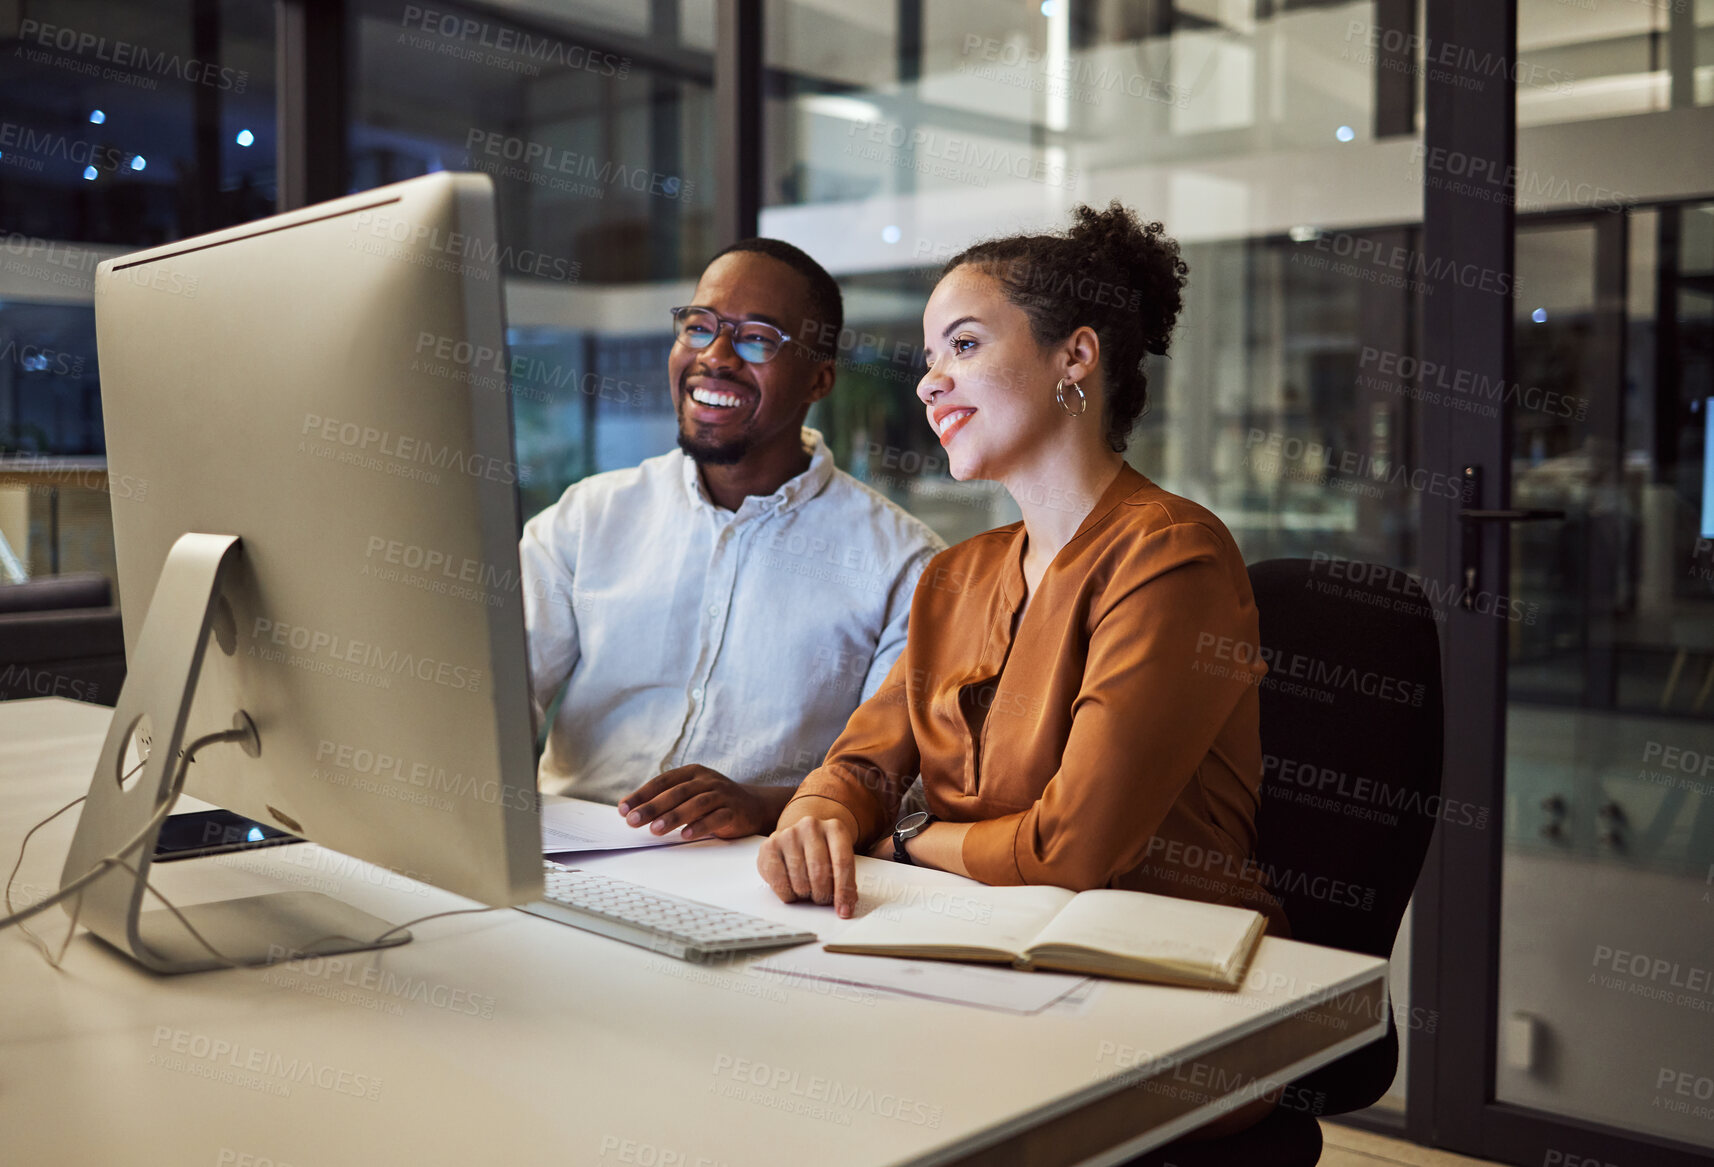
{"x":1056,"y":492}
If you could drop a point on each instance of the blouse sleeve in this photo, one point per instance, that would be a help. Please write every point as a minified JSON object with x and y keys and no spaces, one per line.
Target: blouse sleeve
{"x":873,"y":759}
{"x":1172,"y":650}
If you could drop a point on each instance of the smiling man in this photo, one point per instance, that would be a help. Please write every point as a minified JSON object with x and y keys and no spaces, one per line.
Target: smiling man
{"x":715,"y":614}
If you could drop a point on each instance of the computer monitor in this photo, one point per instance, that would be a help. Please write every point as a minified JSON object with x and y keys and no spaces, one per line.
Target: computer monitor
{"x":326,"y":549}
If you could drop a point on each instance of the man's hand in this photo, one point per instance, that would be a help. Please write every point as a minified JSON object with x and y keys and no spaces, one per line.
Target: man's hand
{"x":706,"y":803}
{"x":812,"y":859}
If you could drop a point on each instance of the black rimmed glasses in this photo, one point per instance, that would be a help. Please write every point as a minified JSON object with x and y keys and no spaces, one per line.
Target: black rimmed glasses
{"x":755,"y":341}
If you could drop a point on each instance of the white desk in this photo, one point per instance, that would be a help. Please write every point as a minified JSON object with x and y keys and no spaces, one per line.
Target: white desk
{"x":507,"y":1039}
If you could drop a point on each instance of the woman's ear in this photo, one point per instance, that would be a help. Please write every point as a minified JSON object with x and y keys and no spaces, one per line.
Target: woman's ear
{"x":1083,"y":353}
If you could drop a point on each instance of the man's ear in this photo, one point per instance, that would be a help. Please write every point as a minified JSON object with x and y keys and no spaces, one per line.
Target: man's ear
{"x":821,"y":382}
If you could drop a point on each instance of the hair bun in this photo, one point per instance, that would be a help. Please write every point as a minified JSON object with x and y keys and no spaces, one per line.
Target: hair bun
{"x":1137,"y":256}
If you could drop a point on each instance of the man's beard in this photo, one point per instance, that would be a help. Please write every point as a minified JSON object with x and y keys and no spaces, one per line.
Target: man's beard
{"x":714,"y":453}
{"x":728,"y":453}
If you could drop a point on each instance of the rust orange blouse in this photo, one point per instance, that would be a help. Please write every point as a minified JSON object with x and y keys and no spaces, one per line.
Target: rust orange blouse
{"x":1113,"y":741}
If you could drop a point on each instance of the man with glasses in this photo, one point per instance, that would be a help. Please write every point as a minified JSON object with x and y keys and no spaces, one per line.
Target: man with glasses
{"x":715,"y":614}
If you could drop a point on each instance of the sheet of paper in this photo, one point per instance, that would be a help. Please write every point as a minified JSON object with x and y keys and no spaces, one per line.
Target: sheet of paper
{"x":576,"y":825}
{"x":996,"y":987}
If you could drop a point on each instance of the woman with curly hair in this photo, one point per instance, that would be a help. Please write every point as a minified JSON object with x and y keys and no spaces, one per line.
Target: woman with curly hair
{"x":1078,"y":689}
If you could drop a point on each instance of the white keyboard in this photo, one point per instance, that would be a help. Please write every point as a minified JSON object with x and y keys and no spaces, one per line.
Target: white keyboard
{"x":667,"y":924}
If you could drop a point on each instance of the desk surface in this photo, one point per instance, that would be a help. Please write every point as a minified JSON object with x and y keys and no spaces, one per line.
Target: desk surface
{"x":504,"y":1038}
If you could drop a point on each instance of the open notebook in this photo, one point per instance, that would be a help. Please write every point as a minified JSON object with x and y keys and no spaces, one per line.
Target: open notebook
{"x":1128,"y":934}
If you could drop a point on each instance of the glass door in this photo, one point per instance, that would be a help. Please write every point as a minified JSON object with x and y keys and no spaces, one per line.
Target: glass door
{"x":1569,"y":952}
{"x":1605,"y":1007}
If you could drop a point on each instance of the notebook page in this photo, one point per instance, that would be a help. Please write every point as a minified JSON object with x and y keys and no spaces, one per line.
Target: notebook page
{"x":1000,"y":918}
{"x":1143,"y":926}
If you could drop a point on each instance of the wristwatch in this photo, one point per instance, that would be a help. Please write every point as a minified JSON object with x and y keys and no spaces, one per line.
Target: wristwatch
{"x":909,"y":827}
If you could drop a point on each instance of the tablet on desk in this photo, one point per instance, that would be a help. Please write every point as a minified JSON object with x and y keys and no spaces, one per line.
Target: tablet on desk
{"x":214,"y":832}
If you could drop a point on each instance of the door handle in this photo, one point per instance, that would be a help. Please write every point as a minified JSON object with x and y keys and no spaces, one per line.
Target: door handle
{"x":1531,"y":515}
{"x":1471,"y":520}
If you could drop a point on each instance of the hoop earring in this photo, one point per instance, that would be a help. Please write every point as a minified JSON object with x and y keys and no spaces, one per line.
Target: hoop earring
{"x":1059,"y":396}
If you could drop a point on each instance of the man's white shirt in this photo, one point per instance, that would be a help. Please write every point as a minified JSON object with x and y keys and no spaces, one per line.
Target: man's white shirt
{"x":685,"y":633}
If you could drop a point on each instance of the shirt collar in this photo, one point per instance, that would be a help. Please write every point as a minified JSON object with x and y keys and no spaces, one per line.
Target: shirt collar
{"x":792,"y":493}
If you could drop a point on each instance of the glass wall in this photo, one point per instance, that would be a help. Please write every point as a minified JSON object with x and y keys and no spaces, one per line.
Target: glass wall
{"x":892,"y":147}
{"x":595,"y":123}
{"x":125,"y":125}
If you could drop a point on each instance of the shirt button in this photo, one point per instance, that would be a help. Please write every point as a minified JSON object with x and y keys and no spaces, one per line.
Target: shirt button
{"x":696,"y":693}
{"x":714,"y":609}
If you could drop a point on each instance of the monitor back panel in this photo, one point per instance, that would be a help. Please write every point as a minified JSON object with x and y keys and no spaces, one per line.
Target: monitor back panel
{"x":330,"y":385}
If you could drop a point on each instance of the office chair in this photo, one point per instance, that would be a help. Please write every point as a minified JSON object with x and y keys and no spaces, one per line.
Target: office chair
{"x":61,"y":636}
{"x":1366,"y":634}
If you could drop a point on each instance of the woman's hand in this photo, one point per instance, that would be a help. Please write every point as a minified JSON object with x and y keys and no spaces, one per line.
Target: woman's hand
{"x":810,"y":858}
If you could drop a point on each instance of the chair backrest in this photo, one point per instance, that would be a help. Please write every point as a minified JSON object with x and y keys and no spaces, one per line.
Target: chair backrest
{"x":61,"y":636}
{"x":1351,"y":744}
{"x":55,"y":593}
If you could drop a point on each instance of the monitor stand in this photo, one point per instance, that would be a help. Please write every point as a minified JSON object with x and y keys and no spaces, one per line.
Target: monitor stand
{"x":149,"y":725}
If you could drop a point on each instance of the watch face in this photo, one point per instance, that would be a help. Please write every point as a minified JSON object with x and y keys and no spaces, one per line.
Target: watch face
{"x":914,"y":821}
